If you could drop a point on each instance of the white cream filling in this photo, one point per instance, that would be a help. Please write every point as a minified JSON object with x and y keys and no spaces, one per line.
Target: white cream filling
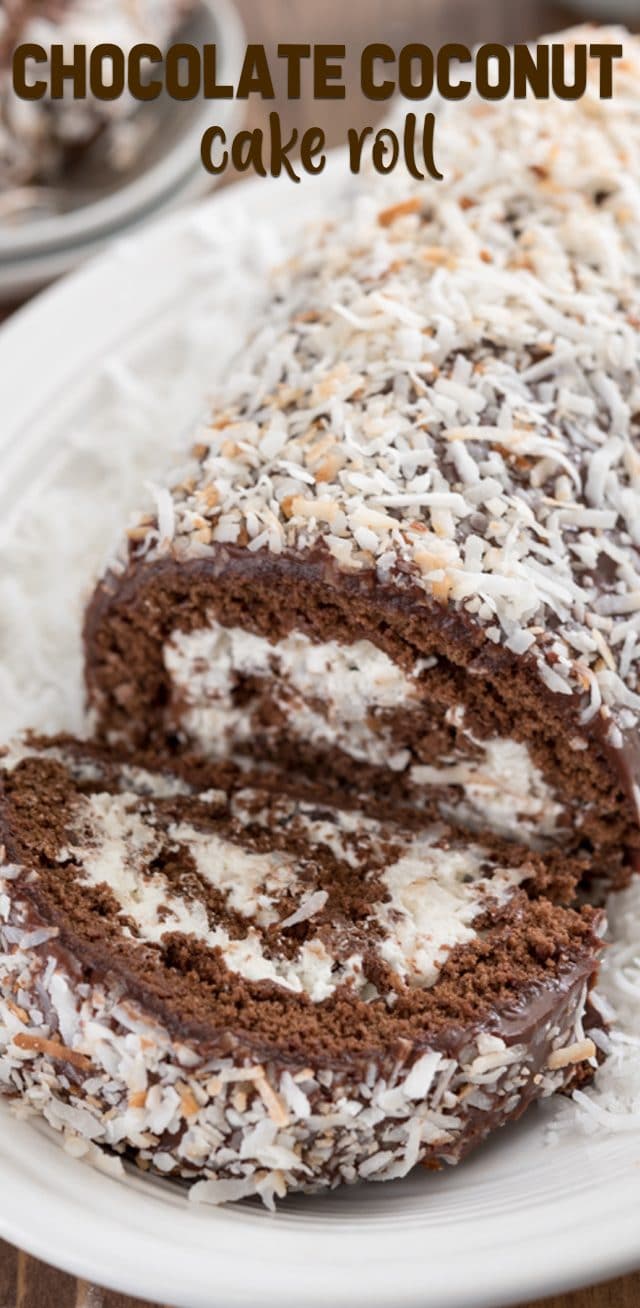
{"x":351,"y":681}
{"x":250,"y":882}
{"x":503,"y":790}
{"x":435,"y":893}
{"x":115,"y":846}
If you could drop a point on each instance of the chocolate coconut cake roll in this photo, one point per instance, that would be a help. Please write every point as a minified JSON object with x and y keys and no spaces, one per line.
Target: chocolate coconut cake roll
{"x":404,"y":552}
{"x":252,"y":988}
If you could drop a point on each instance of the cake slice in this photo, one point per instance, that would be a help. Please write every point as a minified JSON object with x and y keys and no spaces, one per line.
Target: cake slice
{"x":403,"y":554}
{"x":251,"y":988}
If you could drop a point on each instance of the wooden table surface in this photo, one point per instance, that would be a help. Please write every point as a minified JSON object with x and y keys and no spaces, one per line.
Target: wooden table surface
{"x":25,"y":1282}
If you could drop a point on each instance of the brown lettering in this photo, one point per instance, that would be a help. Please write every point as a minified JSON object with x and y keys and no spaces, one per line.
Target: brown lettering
{"x":326,"y":75}
{"x":564,"y":89}
{"x":294,"y":54}
{"x":531,"y":69}
{"x":75,"y":72}
{"x":140,"y":89}
{"x":446,"y":56}
{"x":606,"y":54}
{"x":24,"y":89}
{"x":311,"y":145}
{"x":385,"y":151}
{"x":371,"y":55}
{"x":108,"y":54}
{"x":255,"y":76}
{"x":212,"y":135}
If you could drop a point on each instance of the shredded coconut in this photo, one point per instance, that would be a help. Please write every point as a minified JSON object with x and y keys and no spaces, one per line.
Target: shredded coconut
{"x":614,"y":1102}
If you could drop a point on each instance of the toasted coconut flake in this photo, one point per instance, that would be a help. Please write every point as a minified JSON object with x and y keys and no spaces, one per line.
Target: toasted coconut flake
{"x":38,"y":1044}
{"x":388,"y":216}
{"x":579,"y":1052}
{"x":274,"y":1104}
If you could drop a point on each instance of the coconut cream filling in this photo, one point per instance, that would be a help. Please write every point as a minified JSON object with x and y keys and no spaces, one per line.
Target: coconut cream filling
{"x":435,"y":893}
{"x":329,"y":693}
{"x":503,"y":790}
{"x":326,"y":690}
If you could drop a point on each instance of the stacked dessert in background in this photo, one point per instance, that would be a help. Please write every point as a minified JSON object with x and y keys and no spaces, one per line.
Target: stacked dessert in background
{"x":39,"y":137}
{"x":312,"y":907}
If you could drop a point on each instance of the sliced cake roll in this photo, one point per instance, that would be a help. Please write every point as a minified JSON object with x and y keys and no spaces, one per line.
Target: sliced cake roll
{"x":257,"y":990}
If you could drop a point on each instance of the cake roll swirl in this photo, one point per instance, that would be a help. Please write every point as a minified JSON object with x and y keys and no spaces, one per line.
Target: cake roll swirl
{"x":259,"y":992}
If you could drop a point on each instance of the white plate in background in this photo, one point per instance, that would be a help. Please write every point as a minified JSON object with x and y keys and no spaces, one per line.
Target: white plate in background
{"x":167,"y":171}
{"x":521,"y":1218}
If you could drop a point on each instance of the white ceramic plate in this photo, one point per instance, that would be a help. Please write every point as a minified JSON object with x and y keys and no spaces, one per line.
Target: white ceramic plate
{"x":22,"y":275}
{"x":521,"y":1218}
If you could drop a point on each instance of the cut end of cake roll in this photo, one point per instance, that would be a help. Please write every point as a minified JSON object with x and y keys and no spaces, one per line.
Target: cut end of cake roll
{"x":359,"y":683}
{"x":404,"y":552}
{"x":263,"y":992}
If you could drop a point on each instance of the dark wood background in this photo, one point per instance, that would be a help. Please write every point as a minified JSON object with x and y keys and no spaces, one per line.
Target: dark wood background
{"x":25,"y":1282}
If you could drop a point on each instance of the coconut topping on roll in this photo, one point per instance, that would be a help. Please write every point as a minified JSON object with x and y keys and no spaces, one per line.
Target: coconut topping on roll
{"x":446,"y":383}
